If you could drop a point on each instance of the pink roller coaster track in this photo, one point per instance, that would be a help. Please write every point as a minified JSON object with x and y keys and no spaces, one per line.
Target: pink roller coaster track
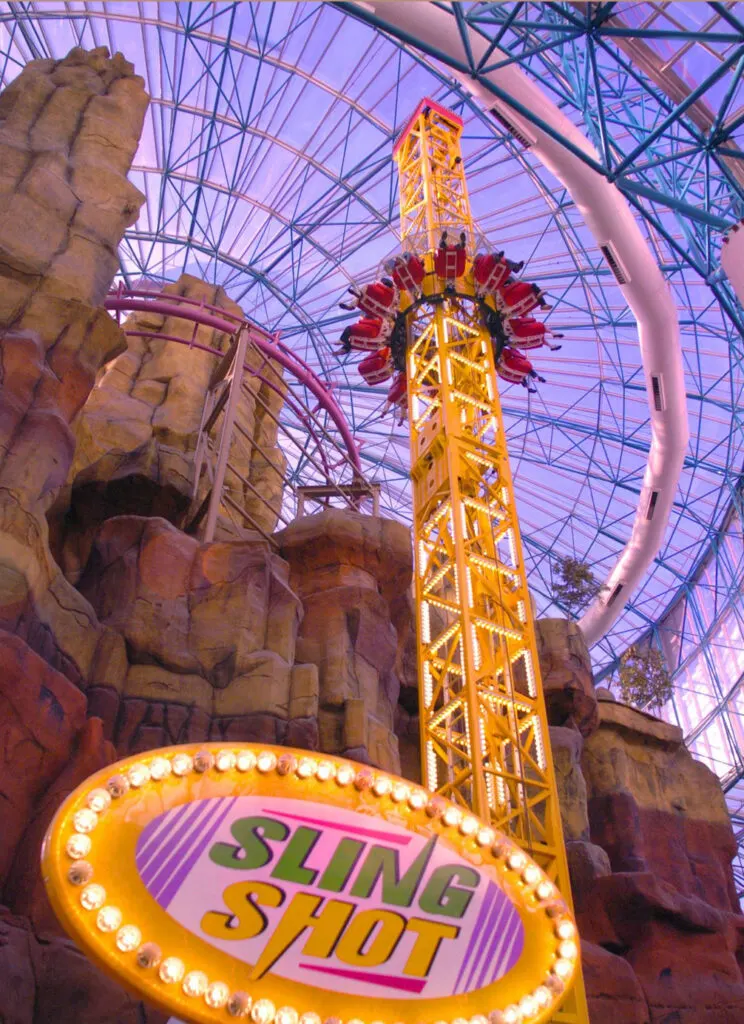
{"x":134,"y":300}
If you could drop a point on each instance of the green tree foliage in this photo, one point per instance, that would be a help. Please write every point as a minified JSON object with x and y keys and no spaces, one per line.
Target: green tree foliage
{"x":644,"y":680}
{"x":574,"y":585}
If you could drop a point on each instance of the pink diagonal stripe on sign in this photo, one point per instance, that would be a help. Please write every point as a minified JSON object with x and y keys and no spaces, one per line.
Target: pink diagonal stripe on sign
{"x":385,"y":980}
{"x":370,"y":833}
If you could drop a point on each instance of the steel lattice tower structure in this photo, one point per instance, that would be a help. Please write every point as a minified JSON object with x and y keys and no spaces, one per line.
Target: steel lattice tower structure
{"x":484,"y":728}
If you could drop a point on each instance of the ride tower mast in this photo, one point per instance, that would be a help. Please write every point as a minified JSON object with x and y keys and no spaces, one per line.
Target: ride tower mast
{"x":484,"y":728}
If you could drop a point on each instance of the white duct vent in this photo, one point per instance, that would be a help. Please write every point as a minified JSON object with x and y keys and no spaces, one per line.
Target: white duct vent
{"x":520,"y":134}
{"x":657,"y":392}
{"x":615,"y":263}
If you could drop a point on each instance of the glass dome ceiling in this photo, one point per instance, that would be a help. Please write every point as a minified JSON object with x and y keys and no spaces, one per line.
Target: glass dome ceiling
{"x":266,"y":166}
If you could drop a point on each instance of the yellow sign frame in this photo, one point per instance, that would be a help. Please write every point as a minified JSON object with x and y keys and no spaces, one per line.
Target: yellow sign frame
{"x":90,"y":846}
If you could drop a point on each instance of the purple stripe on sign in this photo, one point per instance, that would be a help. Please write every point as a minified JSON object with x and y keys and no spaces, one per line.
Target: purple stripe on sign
{"x":385,"y":980}
{"x":481,"y":932}
{"x":152,"y":838}
{"x":500,"y":909}
{"x":174,"y":849}
{"x":501,"y":960}
{"x":512,"y":950}
{"x":496,"y":935}
{"x":370,"y":833}
{"x":191,"y":858}
{"x":183,"y":823}
{"x":482,"y":914}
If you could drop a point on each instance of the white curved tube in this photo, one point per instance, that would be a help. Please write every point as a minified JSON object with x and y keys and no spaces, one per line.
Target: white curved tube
{"x":611,"y":221}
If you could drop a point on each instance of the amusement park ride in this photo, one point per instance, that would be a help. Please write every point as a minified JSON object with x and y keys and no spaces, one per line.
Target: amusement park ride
{"x":445,"y":322}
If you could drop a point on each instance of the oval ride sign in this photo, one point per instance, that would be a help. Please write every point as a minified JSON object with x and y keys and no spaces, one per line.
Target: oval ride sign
{"x":278,"y":886}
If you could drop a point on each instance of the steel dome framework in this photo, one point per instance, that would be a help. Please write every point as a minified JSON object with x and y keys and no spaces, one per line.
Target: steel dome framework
{"x":266,"y":166}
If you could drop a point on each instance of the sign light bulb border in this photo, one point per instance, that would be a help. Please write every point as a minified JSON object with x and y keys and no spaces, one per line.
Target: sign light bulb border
{"x":125,"y":945}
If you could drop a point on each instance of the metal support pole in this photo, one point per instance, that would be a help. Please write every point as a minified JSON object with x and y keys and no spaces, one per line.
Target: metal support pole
{"x":231,"y":408}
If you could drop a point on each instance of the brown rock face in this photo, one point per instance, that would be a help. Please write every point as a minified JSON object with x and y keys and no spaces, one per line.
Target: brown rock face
{"x":348,"y":569}
{"x":566,"y":674}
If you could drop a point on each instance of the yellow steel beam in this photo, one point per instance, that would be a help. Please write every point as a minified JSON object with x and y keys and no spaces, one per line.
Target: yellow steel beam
{"x":484,"y":729}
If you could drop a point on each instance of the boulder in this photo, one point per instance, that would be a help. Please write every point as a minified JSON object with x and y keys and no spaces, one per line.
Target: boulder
{"x":566,"y":670}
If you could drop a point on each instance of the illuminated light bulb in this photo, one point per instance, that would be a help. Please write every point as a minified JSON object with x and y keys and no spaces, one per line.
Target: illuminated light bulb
{"x":469,"y":826}
{"x":265,"y":762}
{"x":286,"y":764}
{"x":148,"y":955}
{"x":312,"y":1018}
{"x":117,"y":786}
{"x":452,"y":816}
{"x":225,"y":761}
{"x":460,"y":1020}
{"x":400,"y":792}
{"x":516,"y":860}
{"x":528,"y":1006}
{"x":382,"y":785}
{"x":563,"y":968}
{"x":263,"y":1009}
{"x":478,"y":1019}
{"x":99,"y":800}
{"x":417,"y":800}
{"x":531,"y":874}
{"x":512,"y":1015}
{"x":307,"y":767}
{"x":128,"y":938}
{"x":565,"y":929}
{"x":80,"y":872}
{"x":333,"y":1020}
{"x":85,"y":820}
{"x":217,"y":995}
{"x":203,"y":761}
{"x":544,"y":890}
{"x":326,"y":770}
{"x":109,"y":919}
{"x":171,"y":970}
{"x":344,"y":776}
{"x":363,"y":779}
{"x":78,"y":846}
{"x":542,"y":996}
{"x":195,"y":983}
{"x":485,"y":836}
{"x":93,"y":896}
{"x":568,"y":950}
{"x":138,"y":775}
{"x":355,"y":1020}
{"x":181,"y":764}
{"x":245,"y":762}
{"x":239,"y":1004}
{"x":160,"y":768}
{"x":286,"y":1015}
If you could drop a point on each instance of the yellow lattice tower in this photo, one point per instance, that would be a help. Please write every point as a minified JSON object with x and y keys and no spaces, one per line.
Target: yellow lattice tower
{"x":484,"y":729}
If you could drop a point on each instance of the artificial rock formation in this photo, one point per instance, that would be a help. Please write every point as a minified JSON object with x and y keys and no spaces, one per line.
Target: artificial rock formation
{"x":136,"y":436}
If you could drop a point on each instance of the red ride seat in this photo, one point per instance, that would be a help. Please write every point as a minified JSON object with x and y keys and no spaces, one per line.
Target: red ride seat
{"x":408,"y":272}
{"x":377,"y":367}
{"x":519,"y":298}
{"x":490,"y":270}
{"x":377,"y":299}
{"x":526,"y":332}
{"x":513,"y":366}
{"x":366,"y":335}
{"x":398,"y":391}
{"x":449,"y":262}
